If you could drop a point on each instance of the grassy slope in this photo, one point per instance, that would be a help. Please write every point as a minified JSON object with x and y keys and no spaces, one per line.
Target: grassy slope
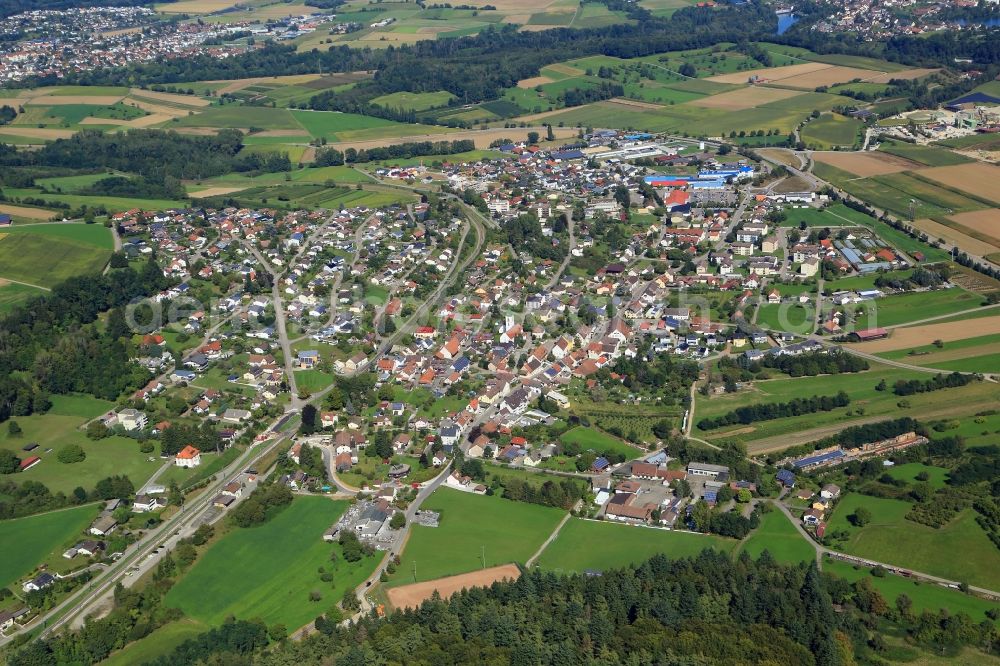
{"x":96,"y":235}
{"x":959,"y":551}
{"x":27,"y":542}
{"x":925,"y":596}
{"x":156,"y":644}
{"x":47,"y":261}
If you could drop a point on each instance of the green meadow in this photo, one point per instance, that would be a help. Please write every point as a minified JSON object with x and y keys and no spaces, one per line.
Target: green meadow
{"x":959,"y":551}
{"x":60,"y":428}
{"x":780,"y":538}
{"x":474,"y":530}
{"x":269,"y":571}
{"x":46,"y":259}
{"x":27,"y":542}
{"x":590,"y":544}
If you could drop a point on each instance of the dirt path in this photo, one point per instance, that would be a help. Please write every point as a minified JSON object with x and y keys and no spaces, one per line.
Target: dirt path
{"x":552,"y":537}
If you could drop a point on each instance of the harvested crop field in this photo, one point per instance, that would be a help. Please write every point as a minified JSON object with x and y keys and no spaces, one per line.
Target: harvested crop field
{"x":527,"y":84}
{"x":216,"y":191}
{"x":985,"y":222}
{"x":411,"y":596}
{"x":61,"y":100}
{"x":568,"y":70}
{"x":825,"y":77}
{"x":23,"y":211}
{"x":916,"y":336}
{"x":745,"y":98}
{"x":186,"y":100}
{"x":635,"y":104}
{"x":866,"y":164}
{"x":907,"y":74}
{"x":956,"y":237}
{"x":196,"y":7}
{"x":158,"y":109}
{"x":149,"y":121}
{"x":47,"y":133}
{"x":770,"y":73}
{"x":978,"y":179}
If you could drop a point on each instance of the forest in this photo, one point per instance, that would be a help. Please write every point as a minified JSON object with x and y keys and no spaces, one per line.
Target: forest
{"x":52,"y":344}
{"x":160,"y":157}
{"x":710,"y":609}
{"x":334,"y":157}
{"x":935,"y":383}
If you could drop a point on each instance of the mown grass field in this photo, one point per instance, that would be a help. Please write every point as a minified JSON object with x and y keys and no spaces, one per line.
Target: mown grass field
{"x":979,"y":354}
{"x":589,"y":544}
{"x":27,"y":542}
{"x":601,"y":442}
{"x":925,"y":596}
{"x":113,"y":204}
{"x":472,"y":525}
{"x":929,"y":155}
{"x":792,"y":317}
{"x":894,"y":192}
{"x":909,"y":472}
{"x":831,"y":130}
{"x":906,"y":308}
{"x":958,"y":551}
{"x":269,"y":571}
{"x":779,"y":537}
{"x":414,"y":101}
{"x":105,"y":457}
{"x":312,"y":380}
{"x":96,"y":235}
{"x":45,"y":260}
{"x":12,"y":295}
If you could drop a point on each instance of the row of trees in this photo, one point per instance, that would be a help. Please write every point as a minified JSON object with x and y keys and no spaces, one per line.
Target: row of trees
{"x":935,"y":383}
{"x":777,"y":410}
{"x":334,"y":157}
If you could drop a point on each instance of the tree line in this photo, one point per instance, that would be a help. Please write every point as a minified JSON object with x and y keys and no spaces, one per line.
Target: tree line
{"x":777,"y":410}
{"x":833,"y":362}
{"x":334,"y":157}
{"x":935,"y":383}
